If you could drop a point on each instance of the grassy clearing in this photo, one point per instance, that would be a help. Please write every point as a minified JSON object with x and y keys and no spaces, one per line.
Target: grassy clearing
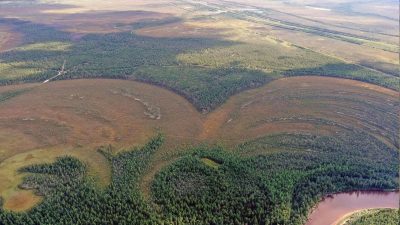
{"x":16,"y":199}
{"x":305,"y":105}
{"x":45,"y":46}
{"x":364,"y":41}
{"x":65,"y":185}
{"x":210,"y":163}
{"x":24,"y":70}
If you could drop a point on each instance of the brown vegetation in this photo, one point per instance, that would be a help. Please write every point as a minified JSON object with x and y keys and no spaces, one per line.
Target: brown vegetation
{"x":74,"y":117}
{"x":8,"y":38}
{"x":306,"y":104}
{"x":180,"y":30}
{"x":91,"y":16}
{"x":104,"y":22}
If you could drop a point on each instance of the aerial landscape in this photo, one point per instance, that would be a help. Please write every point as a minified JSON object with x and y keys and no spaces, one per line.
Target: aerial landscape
{"x":275,"y":112}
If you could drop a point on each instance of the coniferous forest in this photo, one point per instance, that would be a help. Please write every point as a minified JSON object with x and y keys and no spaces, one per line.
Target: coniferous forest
{"x":211,"y":185}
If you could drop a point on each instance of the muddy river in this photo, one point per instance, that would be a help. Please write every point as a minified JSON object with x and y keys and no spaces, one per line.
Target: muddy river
{"x":333,"y":208}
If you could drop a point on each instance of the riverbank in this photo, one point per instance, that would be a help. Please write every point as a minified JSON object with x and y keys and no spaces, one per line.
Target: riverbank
{"x":353,"y":216}
{"x":335,"y":208}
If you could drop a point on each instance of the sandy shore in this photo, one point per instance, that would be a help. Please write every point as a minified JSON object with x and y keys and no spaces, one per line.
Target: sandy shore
{"x":357,"y":213}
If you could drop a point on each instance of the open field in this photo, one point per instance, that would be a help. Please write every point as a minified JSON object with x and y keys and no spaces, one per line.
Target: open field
{"x":8,"y":38}
{"x":307,"y":104}
{"x":342,"y":17}
{"x":67,"y":117}
{"x":341,"y":27}
{"x":76,"y":116}
{"x":88,"y":16}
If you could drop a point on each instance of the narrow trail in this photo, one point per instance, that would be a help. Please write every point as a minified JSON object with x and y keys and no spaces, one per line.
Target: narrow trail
{"x":60,"y":72}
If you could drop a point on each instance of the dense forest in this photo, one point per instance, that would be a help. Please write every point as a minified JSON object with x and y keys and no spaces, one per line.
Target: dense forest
{"x":204,"y":70}
{"x":73,"y":198}
{"x":257,"y":186}
{"x":251,"y":184}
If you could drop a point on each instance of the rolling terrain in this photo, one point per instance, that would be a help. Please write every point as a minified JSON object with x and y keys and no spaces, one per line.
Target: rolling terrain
{"x":54,"y":119}
{"x":163,"y":111}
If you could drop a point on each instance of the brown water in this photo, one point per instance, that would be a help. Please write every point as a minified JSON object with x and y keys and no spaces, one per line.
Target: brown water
{"x":331,"y":209}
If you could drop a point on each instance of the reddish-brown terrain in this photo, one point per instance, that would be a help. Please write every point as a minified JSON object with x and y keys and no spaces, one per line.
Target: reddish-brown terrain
{"x":75,"y":117}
